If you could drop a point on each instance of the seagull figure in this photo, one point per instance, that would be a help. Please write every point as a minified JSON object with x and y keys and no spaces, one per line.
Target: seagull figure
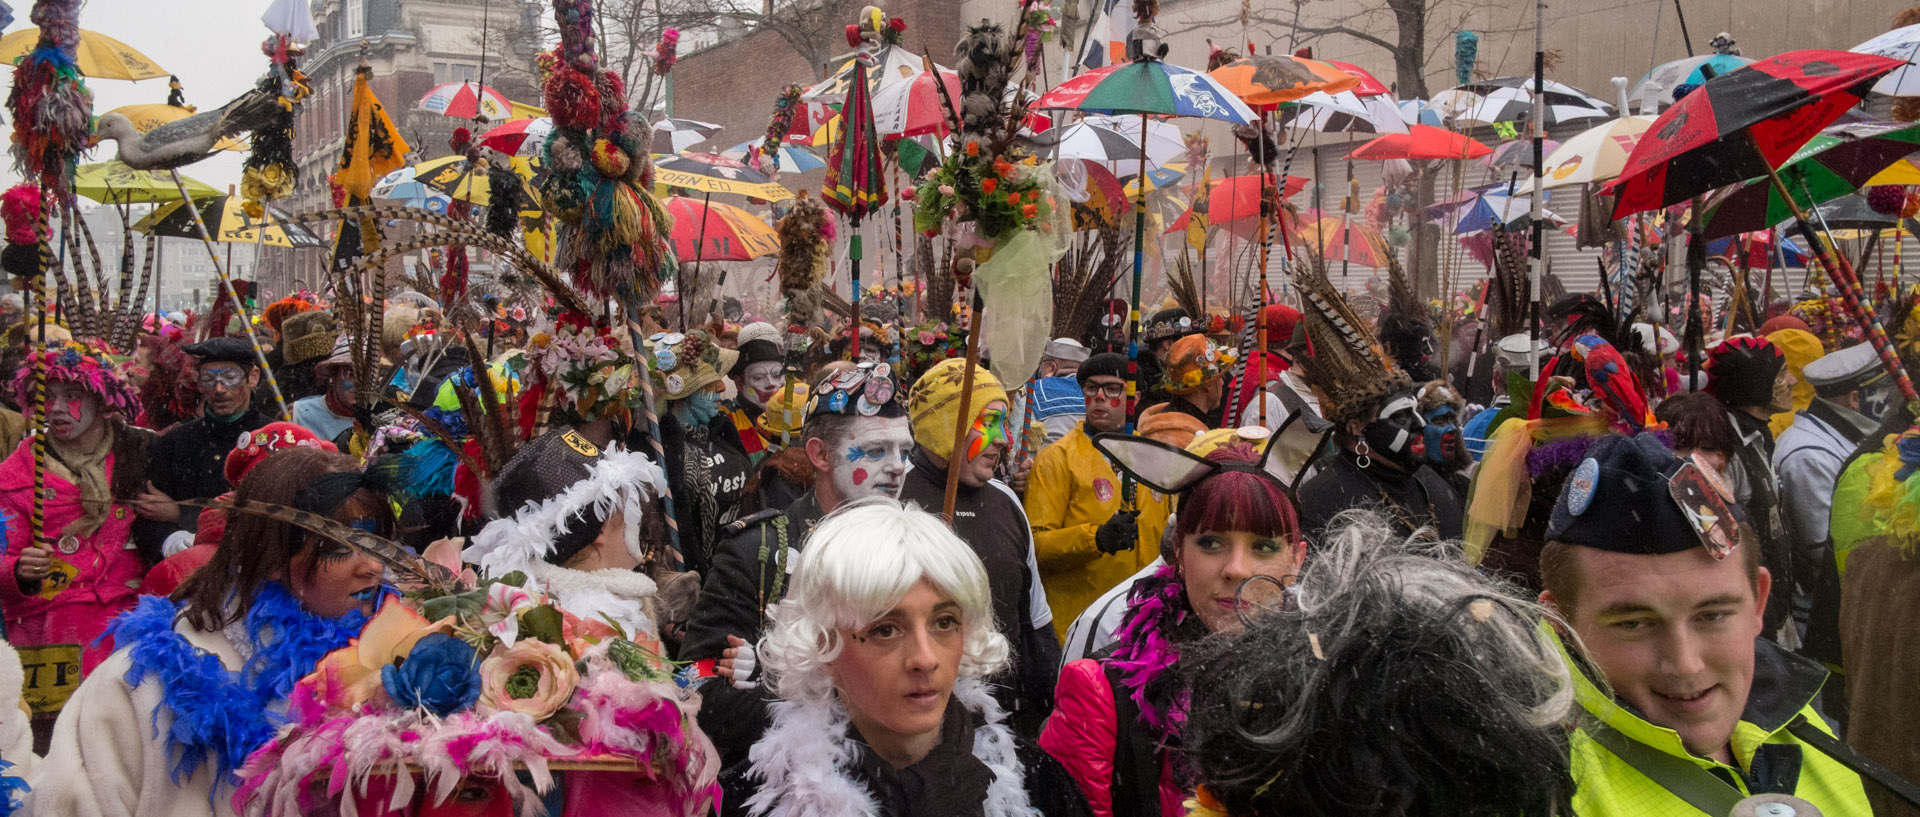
{"x":184,"y":141}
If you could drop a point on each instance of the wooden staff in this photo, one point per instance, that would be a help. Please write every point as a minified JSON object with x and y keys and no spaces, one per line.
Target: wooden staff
{"x":239,"y":306}
{"x":963,"y":421}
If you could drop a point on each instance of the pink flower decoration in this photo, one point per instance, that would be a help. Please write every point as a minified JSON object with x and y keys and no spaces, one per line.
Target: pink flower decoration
{"x":532,"y":677}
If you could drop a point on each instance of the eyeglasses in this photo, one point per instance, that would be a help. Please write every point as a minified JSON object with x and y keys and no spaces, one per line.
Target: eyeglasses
{"x":222,"y":378}
{"x":1109,"y":390}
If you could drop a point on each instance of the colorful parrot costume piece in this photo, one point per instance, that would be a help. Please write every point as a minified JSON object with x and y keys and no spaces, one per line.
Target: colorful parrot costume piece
{"x":1608,"y":375}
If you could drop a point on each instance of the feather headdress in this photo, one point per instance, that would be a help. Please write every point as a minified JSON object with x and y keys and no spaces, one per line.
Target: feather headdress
{"x":405,"y":564}
{"x":1343,"y":362}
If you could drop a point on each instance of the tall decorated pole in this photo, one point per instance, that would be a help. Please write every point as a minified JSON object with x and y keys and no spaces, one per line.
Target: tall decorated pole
{"x":856,"y":184}
{"x":52,"y":111}
{"x":612,"y":234}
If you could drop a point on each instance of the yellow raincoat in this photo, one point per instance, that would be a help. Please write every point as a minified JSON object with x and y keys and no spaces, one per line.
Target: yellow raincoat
{"x":1071,"y":491}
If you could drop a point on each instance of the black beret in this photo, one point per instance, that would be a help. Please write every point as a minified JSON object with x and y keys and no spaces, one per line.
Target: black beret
{"x":1619,"y":499}
{"x":1105,"y":363}
{"x":222,"y":350}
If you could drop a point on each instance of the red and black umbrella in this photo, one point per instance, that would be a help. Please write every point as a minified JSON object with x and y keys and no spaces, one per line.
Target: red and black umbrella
{"x":1740,"y":125}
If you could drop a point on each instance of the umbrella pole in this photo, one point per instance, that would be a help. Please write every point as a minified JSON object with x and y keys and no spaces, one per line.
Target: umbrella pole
{"x":239,"y":307}
{"x":1139,"y":254}
{"x":699,"y":252}
{"x":1851,"y":295}
{"x":853,"y":278}
{"x":963,"y":420}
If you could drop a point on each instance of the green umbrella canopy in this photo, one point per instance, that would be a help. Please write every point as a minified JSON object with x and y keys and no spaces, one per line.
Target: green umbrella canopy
{"x":1833,"y":164}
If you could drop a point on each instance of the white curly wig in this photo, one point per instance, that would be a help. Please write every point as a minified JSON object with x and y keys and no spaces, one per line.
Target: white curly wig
{"x":858,"y":563}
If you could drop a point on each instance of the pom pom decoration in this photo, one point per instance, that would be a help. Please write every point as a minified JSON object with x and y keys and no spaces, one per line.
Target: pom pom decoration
{"x":609,"y":160}
{"x":1886,"y":199}
{"x":51,"y":107}
{"x":461,"y":140}
{"x":20,"y":209}
{"x":666,"y":53}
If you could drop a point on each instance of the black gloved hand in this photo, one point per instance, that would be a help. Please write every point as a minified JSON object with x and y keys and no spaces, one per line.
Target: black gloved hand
{"x":1122,"y":532}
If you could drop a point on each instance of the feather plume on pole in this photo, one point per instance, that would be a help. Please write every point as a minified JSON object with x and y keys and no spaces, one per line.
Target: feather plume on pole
{"x":404,"y":563}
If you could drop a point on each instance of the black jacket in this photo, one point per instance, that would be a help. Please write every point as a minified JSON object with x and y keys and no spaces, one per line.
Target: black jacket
{"x":750,"y":571}
{"x":728,"y":466}
{"x":1407,"y":500}
{"x":190,"y":462}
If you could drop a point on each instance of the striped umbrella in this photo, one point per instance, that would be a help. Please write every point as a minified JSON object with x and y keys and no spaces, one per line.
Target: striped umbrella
{"x":855,"y":185}
{"x":466,"y":100}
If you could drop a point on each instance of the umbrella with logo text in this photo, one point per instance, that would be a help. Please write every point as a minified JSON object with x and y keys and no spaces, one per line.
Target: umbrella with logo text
{"x":714,"y":173}
{"x":704,"y":231}
{"x":227,"y":222}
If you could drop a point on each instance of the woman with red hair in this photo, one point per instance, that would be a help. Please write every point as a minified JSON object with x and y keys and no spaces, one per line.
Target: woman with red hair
{"x":1235,"y":542}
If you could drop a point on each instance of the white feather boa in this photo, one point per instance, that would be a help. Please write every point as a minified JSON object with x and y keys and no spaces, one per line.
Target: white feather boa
{"x":803,"y":761}
{"x":622,"y":479}
{"x":619,"y":596}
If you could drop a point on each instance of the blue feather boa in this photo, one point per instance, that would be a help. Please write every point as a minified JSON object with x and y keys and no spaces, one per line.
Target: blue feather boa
{"x":216,"y":711}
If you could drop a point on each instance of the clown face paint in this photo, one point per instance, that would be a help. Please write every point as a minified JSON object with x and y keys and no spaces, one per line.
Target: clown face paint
{"x":1442,"y":435}
{"x":873,"y":458}
{"x":1396,"y":433}
{"x":71,"y":411}
{"x":987,"y":442}
{"x":760,"y":380}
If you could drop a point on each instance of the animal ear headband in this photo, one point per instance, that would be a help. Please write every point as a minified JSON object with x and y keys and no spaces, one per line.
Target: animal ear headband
{"x":1171,"y":470}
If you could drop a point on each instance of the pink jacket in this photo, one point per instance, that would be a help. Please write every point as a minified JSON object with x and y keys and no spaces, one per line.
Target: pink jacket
{"x":1083,"y":735}
{"x":105,"y":568}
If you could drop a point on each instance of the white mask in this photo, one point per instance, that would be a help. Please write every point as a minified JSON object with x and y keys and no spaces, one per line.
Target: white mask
{"x":872,"y":461}
{"x":760,"y":380}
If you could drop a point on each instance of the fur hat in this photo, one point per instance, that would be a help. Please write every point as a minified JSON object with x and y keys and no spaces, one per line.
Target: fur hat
{"x":307,"y":335}
{"x":551,"y":483}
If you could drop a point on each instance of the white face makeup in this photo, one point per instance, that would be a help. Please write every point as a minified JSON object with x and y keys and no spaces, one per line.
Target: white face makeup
{"x":872,"y":461}
{"x":71,"y":410}
{"x":760,"y":380}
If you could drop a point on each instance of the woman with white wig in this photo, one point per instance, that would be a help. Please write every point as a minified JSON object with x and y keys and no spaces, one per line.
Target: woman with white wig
{"x":877,"y":656}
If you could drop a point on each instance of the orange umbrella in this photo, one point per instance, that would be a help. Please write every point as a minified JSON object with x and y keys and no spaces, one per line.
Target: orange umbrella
{"x":1234,"y":203}
{"x":1269,"y":79}
{"x":1351,"y":242}
{"x":1421,"y":142}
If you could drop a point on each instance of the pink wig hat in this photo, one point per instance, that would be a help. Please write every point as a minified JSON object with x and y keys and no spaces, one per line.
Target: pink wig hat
{"x":75,"y":363}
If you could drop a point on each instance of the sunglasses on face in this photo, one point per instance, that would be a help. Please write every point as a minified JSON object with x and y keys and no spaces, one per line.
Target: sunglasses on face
{"x":222,"y":378}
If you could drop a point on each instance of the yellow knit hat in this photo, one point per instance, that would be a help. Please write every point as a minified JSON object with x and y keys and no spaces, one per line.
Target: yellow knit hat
{"x":934,"y":402}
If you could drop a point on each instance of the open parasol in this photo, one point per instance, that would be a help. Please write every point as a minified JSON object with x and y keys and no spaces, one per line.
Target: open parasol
{"x":98,"y":55}
{"x":855,"y":185}
{"x":115,"y":183}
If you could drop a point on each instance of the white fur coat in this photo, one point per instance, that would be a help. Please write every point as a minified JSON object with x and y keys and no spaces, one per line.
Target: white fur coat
{"x":802,"y":762}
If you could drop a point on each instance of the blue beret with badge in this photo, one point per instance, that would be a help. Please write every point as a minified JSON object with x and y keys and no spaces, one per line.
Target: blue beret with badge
{"x":1634,"y":495}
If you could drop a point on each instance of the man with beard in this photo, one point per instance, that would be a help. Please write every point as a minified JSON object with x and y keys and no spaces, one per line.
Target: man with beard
{"x":189,"y":462}
{"x":857,"y":440}
{"x":1088,"y":533}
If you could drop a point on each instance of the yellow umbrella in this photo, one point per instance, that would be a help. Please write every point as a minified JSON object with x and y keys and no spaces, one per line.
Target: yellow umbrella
{"x":228,"y":223}
{"x":115,"y":183}
{"x":1903,"y":172}
{"x":448,"y":176}
{"x":99,"y":56}
{"x":522,"y":110}
{"x":148,"y":117}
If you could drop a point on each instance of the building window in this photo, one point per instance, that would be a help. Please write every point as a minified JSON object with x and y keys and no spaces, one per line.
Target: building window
{"x":450,"y":72}
{"x":356,"y":17}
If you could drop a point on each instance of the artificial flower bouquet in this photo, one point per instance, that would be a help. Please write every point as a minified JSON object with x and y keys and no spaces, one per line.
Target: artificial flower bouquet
{"x":998,"y":194}
{"x":585,"y":370}
{"x":481,"y":684}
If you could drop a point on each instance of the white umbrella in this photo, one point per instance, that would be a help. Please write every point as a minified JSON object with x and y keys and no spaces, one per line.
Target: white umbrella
{"x":1344,"y":112}
{"x":681,"y":134}
{"x":1596,"y":154}
{"x":1900,"y":44}
{"x":1164,"y":143}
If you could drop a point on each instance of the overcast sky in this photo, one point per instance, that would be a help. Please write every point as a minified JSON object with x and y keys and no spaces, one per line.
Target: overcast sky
{"x":213,"y":46}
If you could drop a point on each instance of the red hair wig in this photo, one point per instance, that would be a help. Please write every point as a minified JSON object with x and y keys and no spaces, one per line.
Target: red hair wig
{"x":1237,"y":499}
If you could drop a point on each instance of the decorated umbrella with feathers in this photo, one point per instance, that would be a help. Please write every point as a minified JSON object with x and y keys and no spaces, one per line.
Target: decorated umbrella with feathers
{"x":855,"y":185}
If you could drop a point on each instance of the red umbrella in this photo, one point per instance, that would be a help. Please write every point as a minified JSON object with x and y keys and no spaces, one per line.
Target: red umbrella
{"x":1369,"y":84}
{"x":704,"y":231}
{"x":1421,"y":142}
{"x":519,"y":137}
{"x":1742,"y":124}
{"x":854,"y":185}
{"x":1235,"y":199}
{"x":466,"y":100}
{"x":912,"y":108}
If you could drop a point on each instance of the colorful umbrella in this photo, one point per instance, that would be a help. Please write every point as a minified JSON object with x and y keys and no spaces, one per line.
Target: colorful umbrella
{"x":1828,"y":166}
{"x":227,"y":222}
{"x":1593,"y":155}
{"x":466,"y":100}
{"x":1760,"y":250}
{"x":1740,"y":126}
{"x":1369,"y":84}
{"x":519,"y":137}
{"x":1479,"y":209}
{"x":703,"y":231}
{"x":1270,"y":79}
{"x":1233,"y":203}
{"x":1421,"y":142}
{"x":148,"y":117}
{"x":1149,"y":87}
{"x":911,"y":107}
{"x":98,"y":55}
{"x":1902,"y":44}
{"x":115,"y":183}
{"x":789,"y":158}
{"x":447,"y":175}
{"x":856,"y":184}
{"x":1658,"y":88}
{"x":1517,"y":155}
{"x":713,"y":173}
{"x":1344,"y":112}
{"x":889,"y":64}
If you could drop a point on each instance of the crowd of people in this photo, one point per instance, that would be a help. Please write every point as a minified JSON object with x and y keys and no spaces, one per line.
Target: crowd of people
{"x":1306,"y":582}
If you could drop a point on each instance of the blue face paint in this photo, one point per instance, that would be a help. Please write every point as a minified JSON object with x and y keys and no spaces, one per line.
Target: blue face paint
{"x":1440,"y":424}
{"x":855,"y":455}
{"x":701,"y":407}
